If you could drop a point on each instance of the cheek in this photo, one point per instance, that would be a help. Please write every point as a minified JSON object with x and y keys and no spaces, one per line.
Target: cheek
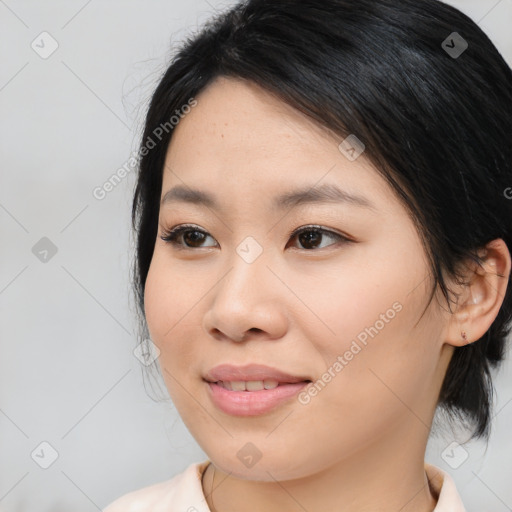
{"x":368,"y":337}
{"x":168,"y":298}
{"x":168,"y":309}
{"x":168,"y":303}
{"x":350,"y":303}
{"x":349,"y":296}
{"x":157,"y":303}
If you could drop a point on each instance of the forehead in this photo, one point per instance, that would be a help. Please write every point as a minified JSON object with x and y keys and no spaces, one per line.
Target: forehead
{"x":240,"y":115}
{"x":241,"y":139}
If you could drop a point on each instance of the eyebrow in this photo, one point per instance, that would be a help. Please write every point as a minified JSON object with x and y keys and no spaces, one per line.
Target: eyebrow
{"x":326,"y":193}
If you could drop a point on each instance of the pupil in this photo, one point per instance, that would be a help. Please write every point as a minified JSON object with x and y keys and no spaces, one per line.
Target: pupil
{"x":191,"y":240}
{"x":310,"y":237}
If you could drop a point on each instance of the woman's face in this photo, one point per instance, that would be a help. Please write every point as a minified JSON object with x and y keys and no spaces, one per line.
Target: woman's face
{"x":338,"y":305}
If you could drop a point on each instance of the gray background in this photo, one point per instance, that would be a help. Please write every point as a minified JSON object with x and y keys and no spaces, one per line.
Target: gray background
{"x":68,"y":376}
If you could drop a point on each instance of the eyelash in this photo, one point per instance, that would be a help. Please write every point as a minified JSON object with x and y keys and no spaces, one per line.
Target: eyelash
{"x":171,"y":236}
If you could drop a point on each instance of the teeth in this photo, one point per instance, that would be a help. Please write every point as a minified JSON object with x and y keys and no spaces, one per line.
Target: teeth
{"x":270,"y":384}
{"x":237,"y":385}
{"x":252,"y":385}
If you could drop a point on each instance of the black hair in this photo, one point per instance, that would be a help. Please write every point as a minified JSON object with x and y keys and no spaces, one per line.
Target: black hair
{"x":435,"y":124}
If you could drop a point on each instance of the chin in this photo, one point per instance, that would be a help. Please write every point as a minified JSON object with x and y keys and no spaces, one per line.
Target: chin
{"x":264,"y":470}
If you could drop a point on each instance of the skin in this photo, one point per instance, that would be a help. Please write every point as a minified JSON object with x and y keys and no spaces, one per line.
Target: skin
{"x":359,"y":444}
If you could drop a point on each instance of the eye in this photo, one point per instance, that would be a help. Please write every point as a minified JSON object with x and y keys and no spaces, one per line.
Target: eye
{"x":186,"y":236}
{"x":311,"y":237}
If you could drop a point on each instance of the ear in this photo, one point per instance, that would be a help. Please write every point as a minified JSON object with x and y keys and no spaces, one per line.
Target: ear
{"x":481,"y":296}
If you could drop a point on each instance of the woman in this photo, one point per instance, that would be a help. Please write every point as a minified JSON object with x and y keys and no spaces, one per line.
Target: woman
{"x":323,"y":251}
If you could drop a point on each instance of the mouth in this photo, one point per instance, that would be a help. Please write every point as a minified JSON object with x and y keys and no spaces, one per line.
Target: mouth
{"x":253,"y":376}
{"x":251,"y":390}
{"x":252,"y":385}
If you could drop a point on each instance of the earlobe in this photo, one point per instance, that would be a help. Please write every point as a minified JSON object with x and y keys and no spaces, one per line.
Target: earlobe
{"x":481,"y":297}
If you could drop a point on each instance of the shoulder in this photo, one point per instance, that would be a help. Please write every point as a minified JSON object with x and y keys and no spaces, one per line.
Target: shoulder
{"x":183,"y":488}
{"x":443,"y":487}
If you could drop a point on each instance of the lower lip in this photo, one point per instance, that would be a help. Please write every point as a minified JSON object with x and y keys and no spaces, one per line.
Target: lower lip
{"x":252,"y":403}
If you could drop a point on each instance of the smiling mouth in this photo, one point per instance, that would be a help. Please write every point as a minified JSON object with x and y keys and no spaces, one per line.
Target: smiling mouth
{"x":253,"y":385}
{"x":253,"y":397}
{"x":252,"y":389}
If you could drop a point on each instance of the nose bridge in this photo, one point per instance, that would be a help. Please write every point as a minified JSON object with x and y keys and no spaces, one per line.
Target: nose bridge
{"x":247,"y":276}
{"x":246,"y":298}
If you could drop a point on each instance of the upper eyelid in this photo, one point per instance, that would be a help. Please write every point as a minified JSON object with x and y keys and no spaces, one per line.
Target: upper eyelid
{"x":181,"y":228}
{"x":306,"y":227}
{"x":316,"y":227}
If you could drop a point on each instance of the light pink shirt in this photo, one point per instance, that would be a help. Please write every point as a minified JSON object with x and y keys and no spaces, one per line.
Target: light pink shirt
{"x":184,"y":493}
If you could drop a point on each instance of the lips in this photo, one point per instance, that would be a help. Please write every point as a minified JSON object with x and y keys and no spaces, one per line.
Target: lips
{"x":227,"y":373}
{"x":253,"y":389}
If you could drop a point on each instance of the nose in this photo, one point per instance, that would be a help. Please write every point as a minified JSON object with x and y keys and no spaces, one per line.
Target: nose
{"x":248,"y":302}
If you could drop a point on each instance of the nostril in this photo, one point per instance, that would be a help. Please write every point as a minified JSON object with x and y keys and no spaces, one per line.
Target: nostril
{"x":252,"y":329}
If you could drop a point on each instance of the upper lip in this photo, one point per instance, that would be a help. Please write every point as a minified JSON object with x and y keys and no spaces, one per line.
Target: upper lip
{"x":250,"y":372}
